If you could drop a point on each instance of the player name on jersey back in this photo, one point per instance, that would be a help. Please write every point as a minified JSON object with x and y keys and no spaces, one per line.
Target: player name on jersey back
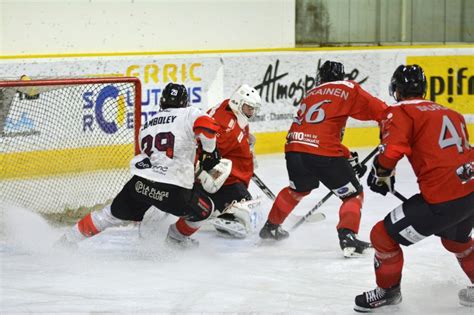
{"x":160,"y":120}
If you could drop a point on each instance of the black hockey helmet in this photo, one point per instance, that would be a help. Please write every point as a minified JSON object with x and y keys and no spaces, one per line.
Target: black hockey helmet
{"x":409,"y":80}
{"x":330,"y":71}
{"x":174,"y":95}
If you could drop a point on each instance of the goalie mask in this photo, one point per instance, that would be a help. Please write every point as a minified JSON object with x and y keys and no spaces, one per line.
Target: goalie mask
{"x":245,"y":103}
{"x":174,"y":96}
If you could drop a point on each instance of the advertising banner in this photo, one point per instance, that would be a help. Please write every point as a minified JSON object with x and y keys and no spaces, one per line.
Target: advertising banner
{"x":281,"y":77}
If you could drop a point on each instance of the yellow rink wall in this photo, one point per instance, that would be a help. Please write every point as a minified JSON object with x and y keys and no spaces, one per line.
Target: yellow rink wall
{"x":33,"y":164}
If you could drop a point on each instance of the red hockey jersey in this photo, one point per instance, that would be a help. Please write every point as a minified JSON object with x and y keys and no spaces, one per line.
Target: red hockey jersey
{"x":322,"y":117}
{"x":435,"y":140}
{"x":233,"y":144}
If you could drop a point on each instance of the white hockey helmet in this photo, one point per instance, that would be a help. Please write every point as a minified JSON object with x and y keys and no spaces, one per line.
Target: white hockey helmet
{"x":245,"y":95}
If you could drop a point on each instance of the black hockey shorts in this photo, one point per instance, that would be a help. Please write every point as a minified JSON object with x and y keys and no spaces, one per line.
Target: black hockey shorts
{"x":307,"y":170}
{"x":416,"y":219}
{"x":228,"y":193}
{"x":139,"y":194}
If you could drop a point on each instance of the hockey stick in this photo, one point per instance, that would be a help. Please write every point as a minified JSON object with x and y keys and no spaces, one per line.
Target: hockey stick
{"x":330,"y":193}
{"x":263,"y":187}
{"x":399,"y":196}
{"x":272,"y":197}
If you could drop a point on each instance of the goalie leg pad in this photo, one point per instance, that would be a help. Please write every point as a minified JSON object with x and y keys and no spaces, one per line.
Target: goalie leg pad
{"x":228,"y":226}
{"x":239,"y":219}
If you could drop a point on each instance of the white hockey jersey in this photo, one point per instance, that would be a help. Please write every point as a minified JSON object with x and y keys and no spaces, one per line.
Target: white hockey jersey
{"x":168,"y":147}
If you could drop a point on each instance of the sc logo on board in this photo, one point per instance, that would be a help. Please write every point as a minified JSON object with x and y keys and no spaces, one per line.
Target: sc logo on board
{"x":109,"y":109}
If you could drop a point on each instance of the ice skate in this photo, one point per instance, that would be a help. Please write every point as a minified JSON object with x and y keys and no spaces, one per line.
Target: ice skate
{"x":177,"y":240}
{"x":371,"y":300}
{"x":273,"y":231}
{"x":466,"y":296}
{"x":350,"y":245}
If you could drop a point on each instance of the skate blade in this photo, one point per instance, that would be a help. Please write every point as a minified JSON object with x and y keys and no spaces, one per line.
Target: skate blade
{"x":361,"y":309}
{"x":316,"y":217}
{"x":392,"y":308}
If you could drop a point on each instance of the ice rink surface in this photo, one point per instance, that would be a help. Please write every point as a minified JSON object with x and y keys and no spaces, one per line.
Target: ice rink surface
{"x":116,"y":272}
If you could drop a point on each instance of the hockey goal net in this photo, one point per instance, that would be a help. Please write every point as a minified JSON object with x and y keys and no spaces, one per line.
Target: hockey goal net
{"x":65,"y":144}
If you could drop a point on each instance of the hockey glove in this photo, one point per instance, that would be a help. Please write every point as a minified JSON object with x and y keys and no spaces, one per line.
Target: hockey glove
{"x":213,"y":180}
{"x":209,"y":159}
{"x":465,"y":172}
{"x":358,"y":168}
{"x":381,"y":180}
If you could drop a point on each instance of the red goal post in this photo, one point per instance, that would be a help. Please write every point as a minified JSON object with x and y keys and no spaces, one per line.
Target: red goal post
{"x":66,"y":143}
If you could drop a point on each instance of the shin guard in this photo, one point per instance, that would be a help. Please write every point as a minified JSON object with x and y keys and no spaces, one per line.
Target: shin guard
{"x":97,"y":221}
{"x":284,"y":203}
{"x":464,"y":253}
{"x":187,"y":227}
{"x":388,"y":260}
{"x":349,"y":213}
{"x":86,"y":226}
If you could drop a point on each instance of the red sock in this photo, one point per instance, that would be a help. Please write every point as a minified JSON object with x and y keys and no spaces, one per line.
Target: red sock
{"x":284,"y":203}
{"x":464,"y":253}
{"x":349,"y":213}
{"x":184,"y":228}
{"x":388,"y":260}
{"x":86,"y":226}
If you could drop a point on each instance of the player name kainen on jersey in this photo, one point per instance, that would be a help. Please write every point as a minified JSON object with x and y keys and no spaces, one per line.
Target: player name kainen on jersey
{"x":160,"y":120}
{"x":332,"y":91}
